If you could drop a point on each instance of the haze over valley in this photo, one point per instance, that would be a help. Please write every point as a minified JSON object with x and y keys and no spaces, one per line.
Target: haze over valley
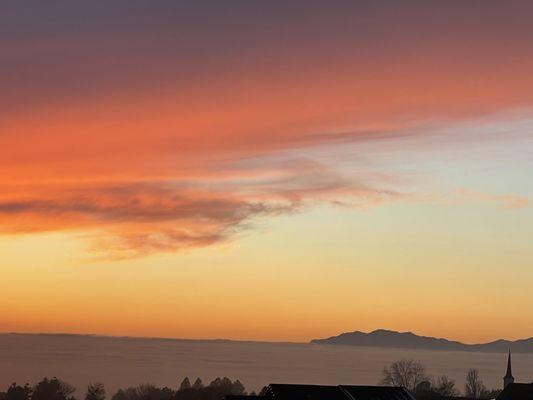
{"x":122,"y":362}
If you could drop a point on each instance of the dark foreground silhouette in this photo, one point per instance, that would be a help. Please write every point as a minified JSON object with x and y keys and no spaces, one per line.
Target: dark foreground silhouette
{"x":403,"y":379}
{"x":56,"y":389}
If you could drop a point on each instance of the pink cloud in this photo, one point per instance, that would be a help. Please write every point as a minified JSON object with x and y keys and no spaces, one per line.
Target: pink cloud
{"x":506,"y":201}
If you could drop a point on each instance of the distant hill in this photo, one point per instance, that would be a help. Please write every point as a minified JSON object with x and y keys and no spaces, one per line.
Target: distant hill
{"x":409,"y":340}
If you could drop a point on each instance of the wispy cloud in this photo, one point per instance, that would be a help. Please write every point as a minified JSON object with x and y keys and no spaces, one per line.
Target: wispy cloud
{"x":138,"y":218}
{"x":506,"y":201}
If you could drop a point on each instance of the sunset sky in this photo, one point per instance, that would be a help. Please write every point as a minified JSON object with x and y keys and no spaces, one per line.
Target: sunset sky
{"x":266,"y":170}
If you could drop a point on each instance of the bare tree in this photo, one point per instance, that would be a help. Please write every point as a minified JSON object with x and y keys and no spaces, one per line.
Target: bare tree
{"x":474,"y":386}
{"x":95,"y":391}
{"x":444,"y":386}
{"x":238,"y":388}
{"x":407,"y":373}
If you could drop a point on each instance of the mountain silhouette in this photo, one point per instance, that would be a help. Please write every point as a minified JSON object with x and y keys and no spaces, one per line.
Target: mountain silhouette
{"x":409,"y":340}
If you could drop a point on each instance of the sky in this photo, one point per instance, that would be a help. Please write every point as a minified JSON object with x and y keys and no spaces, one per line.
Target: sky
{"x":275,"y":171}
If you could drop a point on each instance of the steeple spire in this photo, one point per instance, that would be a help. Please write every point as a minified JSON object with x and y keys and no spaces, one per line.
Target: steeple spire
{"x":508,"y":378}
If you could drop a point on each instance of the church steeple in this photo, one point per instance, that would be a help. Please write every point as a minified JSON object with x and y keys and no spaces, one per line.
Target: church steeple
{"x":508,"y":378}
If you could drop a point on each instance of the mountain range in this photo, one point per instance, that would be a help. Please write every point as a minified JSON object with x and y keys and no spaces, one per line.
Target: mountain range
{"x":409,"y":340}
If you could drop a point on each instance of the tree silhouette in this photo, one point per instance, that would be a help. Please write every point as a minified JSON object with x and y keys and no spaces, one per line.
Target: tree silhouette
{"x":16,"y":392}
{"x":52,"y":389}
{"x":238,"y":388}
{"x":407,"y":373}
{"x":445,"y":387}
{"x":95,"y":391}
{"x":198,"y":384}
{"x":55,"y":389}
{"x":185,"y":384}
{"x":474,"y":386}
{"x":216,"y":390}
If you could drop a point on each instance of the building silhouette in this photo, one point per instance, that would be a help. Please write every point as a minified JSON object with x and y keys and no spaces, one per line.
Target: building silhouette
{"x":508,"y":378}
{"x":323,"y":392}
{"x":512,"y":390}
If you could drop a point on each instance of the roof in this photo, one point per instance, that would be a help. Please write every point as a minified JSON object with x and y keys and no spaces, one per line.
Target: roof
{"x":343,"y":392}
{"x":306,"y":392}
{"x":244,"y":397}
{"x":378,"y":393}
{"x":517,"y":391}
{"x":434,"y":396}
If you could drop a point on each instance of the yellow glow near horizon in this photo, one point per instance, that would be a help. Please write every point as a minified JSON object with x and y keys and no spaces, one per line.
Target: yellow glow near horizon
{"x":248,"y":289}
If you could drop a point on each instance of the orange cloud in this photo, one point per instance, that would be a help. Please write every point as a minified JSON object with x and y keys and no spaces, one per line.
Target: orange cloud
{"x":137,"y":218}
{"x":163,"y":130}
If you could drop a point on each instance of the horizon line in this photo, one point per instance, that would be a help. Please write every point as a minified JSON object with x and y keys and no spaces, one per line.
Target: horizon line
{"x":244,"y":340}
